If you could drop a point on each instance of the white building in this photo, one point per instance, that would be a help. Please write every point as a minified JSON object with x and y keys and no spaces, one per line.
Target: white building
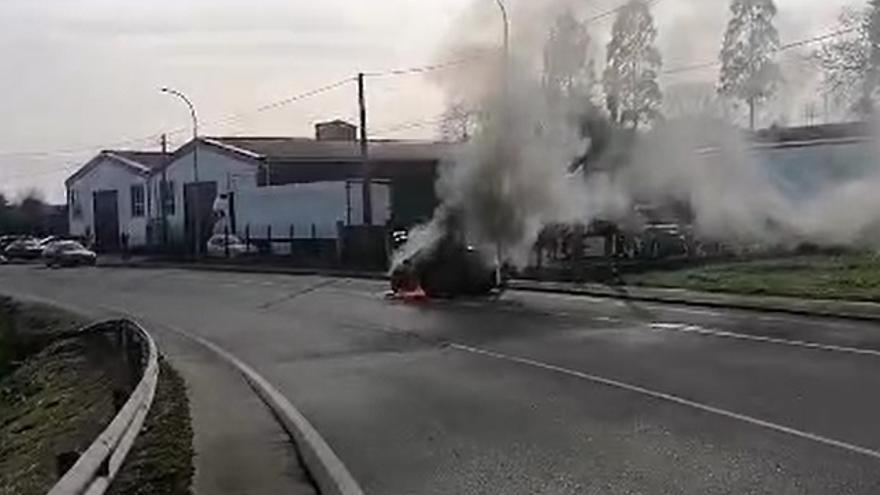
{"x":108,"y":198}
{"x":304,"y":186}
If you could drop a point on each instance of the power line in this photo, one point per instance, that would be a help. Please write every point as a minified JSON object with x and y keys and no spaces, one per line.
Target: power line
{"x":28,"y":174}
{"x":424,"y":68}
{"x":282,"y":103}
{"x":154,"y":137}
{"x":816,"y":39}
{"x":782,"y":48}
{"x":84,"y":149}
{"x":610,"y":12}
{"x":411,"y":124}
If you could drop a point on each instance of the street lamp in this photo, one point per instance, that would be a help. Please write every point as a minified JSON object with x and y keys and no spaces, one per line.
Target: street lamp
{"x":195,"y":129}
{"x":505,"y":96}
{"x":506,"y":18}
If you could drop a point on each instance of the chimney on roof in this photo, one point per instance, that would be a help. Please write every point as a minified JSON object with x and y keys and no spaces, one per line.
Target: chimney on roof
{"x":335,"y":130}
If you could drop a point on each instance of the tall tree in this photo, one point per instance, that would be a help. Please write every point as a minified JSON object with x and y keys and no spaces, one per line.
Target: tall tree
{"x":633,"y":64}
{"x":851,"y":61}
{"x":569,"y":71}
{"x":459,"y":122}
{"x":749,"y":71}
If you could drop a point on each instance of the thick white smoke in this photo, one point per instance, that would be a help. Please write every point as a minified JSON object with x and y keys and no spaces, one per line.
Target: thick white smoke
{"x":513,"y":176}
{"x":740,"y":193}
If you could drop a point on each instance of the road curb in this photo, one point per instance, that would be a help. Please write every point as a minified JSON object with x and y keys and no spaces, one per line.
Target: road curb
{"x":329,"y":473}
{"x":254,"y":269}
{"x":700,"y":303}
{"x":524,"y":286}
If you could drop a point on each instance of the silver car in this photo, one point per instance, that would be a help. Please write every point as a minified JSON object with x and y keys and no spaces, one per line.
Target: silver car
{"x":68,"y":253}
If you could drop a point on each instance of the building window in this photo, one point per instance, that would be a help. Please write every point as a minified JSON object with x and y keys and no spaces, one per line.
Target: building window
{"x":167,"y":195}
{"x":138,"y":201}
{"x":74,"y":204}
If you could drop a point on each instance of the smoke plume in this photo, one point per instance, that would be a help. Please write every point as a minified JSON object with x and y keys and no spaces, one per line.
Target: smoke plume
{"x":514,"y":176}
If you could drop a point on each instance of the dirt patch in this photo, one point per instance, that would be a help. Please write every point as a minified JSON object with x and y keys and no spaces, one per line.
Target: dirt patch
{"x":160,"y":462}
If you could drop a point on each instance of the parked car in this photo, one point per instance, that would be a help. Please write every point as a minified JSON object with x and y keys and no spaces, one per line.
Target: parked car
{"x":217,"y":247}
{"x":68,"y":253}
{"x":26,"y":249}
{"x":46,"y":241}
{"x":7,"y":240}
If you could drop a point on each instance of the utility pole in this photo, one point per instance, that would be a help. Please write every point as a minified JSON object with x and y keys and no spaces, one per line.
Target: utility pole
{"x":505,"y":116}
{"x":163,"y":191}
{"x":366,"y":168}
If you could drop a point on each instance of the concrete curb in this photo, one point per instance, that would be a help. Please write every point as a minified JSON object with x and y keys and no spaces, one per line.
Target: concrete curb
{"x":270,"y":270}
{"x":704,"y":303}
{"x":328,"y":472}
{"x":796,"y":307}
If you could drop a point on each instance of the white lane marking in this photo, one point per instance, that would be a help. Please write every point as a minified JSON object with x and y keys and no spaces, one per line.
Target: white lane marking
{"x":703,"y":312}
{"x":674,"y":399}
{"x":607,"y":319}
{"x":679,"y":327}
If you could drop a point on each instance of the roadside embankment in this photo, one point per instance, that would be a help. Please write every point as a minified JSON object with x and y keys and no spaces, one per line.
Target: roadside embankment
{"x":60,"y":388}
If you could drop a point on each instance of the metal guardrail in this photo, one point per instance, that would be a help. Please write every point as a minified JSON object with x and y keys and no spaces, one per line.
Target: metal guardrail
{"x":98,"y":465}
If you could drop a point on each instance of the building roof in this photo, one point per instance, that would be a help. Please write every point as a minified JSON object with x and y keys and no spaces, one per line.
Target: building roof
{"x":139,"y":162}
{"x":286,"y":149}
{"x":149,"y":159}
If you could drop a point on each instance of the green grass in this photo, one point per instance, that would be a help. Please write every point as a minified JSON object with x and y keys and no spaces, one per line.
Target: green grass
{"x":58,"y":401}
{"x":850,"y":277}
{"x":56,"y":396}
{"x":160,"y":463}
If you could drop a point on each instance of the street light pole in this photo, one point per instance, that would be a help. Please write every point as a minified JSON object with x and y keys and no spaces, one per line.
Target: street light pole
{"x":505,"y":115}
{"x":197,"y":202}
{"x":506,"y":18}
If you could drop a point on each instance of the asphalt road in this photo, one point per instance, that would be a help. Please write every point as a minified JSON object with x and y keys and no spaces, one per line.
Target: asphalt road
{"x":533,"y":393}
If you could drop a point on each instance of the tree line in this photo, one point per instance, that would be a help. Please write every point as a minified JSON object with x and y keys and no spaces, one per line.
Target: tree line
{"x":749,"y":71}
{"x":29,"y":215}
{"x":631,"y":95}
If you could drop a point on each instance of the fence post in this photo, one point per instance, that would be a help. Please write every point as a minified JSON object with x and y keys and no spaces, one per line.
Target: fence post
{"x":269,"y":237}
{"x":292,"y":238}
{"x":314,"y":231}
{"x":340,"y":244}
{"x":226,"y":240}
{"x":247,"y":235}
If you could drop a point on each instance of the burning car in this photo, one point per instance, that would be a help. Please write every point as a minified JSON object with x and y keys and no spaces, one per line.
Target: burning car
{"x":445,"y":269}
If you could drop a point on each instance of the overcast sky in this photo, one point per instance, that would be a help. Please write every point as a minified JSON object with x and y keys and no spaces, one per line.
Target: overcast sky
{"x":80,"y":75}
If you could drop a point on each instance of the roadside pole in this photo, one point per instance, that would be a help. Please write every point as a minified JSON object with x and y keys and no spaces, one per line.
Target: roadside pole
{"x":505,"y":101}
{"x":163,"y":192}
{"x":366,"y":168}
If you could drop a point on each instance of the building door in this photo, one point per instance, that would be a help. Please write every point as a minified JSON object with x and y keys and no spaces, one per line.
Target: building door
{"x":198,"y":200}
{"x":106,"y":219}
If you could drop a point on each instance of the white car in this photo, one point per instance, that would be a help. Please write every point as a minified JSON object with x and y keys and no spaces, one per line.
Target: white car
{"x":217,"y":247}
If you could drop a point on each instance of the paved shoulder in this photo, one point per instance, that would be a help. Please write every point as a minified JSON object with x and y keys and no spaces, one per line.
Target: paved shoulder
{"x":240,"y":448}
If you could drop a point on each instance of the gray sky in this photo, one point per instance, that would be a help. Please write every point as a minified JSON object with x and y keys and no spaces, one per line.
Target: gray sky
{"x":80,"y":75}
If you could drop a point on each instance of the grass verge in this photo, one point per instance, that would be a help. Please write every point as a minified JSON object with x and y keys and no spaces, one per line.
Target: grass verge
{"x":56,"y":396}
{"x":57,"y":401}
{"x":843,"y":277}
{"x":160,"y":462}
